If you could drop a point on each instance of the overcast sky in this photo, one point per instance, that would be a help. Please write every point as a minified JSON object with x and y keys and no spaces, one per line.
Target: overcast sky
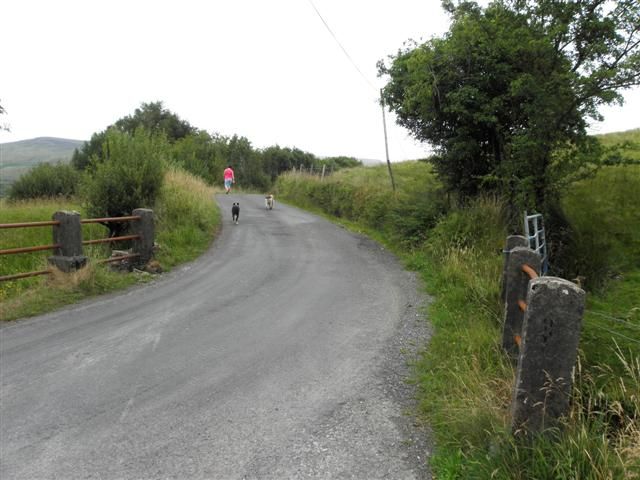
{"x":267,"y":70}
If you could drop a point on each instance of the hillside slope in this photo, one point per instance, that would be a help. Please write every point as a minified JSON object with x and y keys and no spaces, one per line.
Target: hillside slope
{"x":17,"y":158}
{"x":628,"y":139}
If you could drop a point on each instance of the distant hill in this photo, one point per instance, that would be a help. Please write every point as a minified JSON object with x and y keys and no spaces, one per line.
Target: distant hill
{"x":17,"y":158}
{"x":619,"y":137}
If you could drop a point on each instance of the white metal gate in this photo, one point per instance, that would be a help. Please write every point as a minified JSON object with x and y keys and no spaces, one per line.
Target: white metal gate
{"x":534,"y":231}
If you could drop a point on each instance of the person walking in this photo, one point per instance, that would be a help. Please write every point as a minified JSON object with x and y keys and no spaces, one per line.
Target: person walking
{"x":229,"y":178}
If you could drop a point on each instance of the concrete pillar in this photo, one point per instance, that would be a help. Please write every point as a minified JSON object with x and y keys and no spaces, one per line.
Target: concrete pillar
{"x":516,"y":282}
{"x":513,"y":241}
{"x":552,"y":325}
{"x":145,"y":228}
{"x":68,"y":234}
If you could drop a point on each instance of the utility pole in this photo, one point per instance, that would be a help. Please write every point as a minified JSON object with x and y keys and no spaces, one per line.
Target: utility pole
{"x":386,"y":144}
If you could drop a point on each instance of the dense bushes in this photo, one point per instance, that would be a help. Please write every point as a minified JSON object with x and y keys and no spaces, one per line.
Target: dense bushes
{"x":202,"y":155}
{"x":186,"y":217}
{"x":46,"y":180}
{"x":152,"y":117}
{"x":364,"y":195}
{"x":129,"y":177}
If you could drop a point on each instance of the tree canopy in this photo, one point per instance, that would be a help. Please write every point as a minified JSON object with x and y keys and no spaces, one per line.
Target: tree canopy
{"x":152,"y":117}
{"x":199,"y":152}
{"x":511,"y":87}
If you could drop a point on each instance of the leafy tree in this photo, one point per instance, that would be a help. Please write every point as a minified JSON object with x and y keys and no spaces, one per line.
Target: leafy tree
{"x":336,"y":163}
{"x":246,"y":162}
{"x":304,"y":159}
{"x":208,"y":155}
{"x":153,"y":117}
{"x":46,"y":180}
{"x":202,"y":155}
{"x":277,"y":159}
{"x":506,"y":94}
{"x":129,"y":176}
{"x":91,"y":149}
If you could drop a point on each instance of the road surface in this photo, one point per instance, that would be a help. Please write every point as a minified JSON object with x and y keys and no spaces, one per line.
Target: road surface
{"x":277,"y":354}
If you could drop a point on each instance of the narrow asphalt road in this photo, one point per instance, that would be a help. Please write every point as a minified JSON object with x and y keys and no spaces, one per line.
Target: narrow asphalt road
{"x":280,"y":353}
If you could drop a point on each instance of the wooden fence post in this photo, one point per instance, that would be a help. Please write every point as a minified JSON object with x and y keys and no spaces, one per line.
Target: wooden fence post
{"x":516,"y":282}
{"x":551,"y":332}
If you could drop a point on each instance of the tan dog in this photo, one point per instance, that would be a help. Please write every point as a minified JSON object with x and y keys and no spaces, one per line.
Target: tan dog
{"x":268,"y":202}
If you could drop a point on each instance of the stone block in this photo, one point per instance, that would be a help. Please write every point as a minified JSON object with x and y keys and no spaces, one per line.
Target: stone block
{"x":146,"y":229}
{"x":68,"y":264}
{"x":68,"y":234}
{"x":551,"y":333}
{"x":513,"y":241}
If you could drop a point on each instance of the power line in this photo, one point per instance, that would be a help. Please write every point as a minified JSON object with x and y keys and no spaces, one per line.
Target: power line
{"x":343,"y":49}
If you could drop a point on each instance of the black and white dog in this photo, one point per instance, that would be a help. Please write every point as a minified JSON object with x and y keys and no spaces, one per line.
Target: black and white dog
{"x":235,"y":212}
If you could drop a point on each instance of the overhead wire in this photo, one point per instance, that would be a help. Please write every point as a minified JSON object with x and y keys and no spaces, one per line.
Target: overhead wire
{"x":344,"y":50}
{"x":351,"y":60}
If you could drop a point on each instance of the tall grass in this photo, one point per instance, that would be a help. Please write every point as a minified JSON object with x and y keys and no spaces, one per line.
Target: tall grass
{"x":186,"y":218}
{"x":364,"y":195}
{"x":466,"y":381}
{"x":605,"y":215}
